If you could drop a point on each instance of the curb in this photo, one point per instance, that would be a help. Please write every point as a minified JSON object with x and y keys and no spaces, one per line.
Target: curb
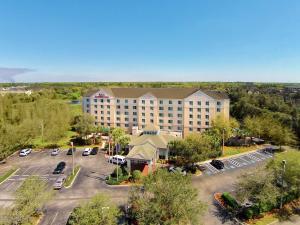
{"x":74,"y":179}
{"x":9,"y":176}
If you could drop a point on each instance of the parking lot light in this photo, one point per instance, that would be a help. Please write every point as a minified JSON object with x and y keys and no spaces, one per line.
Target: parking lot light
{"x":72,"y":158}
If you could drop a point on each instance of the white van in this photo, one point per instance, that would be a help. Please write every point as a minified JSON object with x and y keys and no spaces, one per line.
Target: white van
{"x":118,"y":159}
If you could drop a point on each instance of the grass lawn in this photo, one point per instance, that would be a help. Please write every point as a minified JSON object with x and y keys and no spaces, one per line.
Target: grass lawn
{"x":7,"y":174}
{"x":267,"y":219}
{"x":228,"y":151}
{"x":70,"y":179}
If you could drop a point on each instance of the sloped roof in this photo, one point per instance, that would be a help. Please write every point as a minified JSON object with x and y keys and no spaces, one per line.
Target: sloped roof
{"x":160,"y":141}
{"x":143,"y":152}
{"x":151,"y":127}
{"x":162,"y":93}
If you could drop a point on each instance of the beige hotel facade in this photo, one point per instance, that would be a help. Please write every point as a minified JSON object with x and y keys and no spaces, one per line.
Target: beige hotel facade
{"x":180,"y":110}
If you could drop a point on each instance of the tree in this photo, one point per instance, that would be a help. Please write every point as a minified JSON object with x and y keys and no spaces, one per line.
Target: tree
{"x":31,"y":196}
{"x":99,"y":210}
{"x":166,"y":198}
{"x":84,"y":124}
{"x":120,"y":137}
{"x":195,"y":147}
{"x":228,"y":126}
{"x":259,"y":187}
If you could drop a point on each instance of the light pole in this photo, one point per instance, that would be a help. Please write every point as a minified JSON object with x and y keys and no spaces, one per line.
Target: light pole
{"x":282,"y":182}
{"x":72,"y":158}
{"x":223,"y":141}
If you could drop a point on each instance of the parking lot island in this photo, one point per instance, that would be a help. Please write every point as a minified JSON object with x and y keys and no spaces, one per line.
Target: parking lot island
{"x":8,"y":174}
{"x":72,"y":177}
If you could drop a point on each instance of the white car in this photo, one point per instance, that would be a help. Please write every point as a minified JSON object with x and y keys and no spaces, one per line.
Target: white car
{"x":87,"y":151}
{"x":118,"y":159}
{"x":55,"y":152}
{"x":25,"y":152}
{"x":59,"y":182}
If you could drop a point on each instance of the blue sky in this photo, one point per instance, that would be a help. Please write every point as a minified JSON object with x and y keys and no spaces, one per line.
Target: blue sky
{"x":150,"y":40}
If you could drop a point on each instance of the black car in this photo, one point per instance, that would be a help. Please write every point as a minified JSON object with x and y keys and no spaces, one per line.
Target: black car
{"x":94,"y":151}
{"x":70,"y":151}
{"x":217,"y":164}
{"x":59,"y":168}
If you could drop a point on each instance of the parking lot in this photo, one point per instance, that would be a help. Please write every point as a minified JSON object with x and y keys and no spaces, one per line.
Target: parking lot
{"x":237,"y":162}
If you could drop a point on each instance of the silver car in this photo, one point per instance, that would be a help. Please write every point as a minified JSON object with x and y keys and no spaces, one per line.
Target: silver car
{"x":55,"y":152}
{"x":59,"y":182}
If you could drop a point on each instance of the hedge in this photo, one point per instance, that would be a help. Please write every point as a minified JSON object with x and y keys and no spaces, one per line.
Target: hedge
{"x":229,"y":200}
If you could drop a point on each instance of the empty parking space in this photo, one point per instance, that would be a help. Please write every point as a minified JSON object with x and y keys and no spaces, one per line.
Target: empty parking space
{"x":238,"y":162}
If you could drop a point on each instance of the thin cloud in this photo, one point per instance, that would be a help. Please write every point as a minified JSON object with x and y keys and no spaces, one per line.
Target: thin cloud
{"x":8,"y":74}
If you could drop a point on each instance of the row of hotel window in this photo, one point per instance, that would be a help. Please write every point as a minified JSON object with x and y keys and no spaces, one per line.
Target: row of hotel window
{"x":134,"y":101}
{"x":191,"y":116}
{"x":160,"y":127}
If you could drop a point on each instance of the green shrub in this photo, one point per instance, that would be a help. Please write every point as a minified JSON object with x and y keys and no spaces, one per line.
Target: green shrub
{"x":136,"y":175}
{"x":265,"y":207}
{"x":229,"y":200}
{"x":249,"y":213}
{"x":118,"y":170}
{"x":113,"y":180}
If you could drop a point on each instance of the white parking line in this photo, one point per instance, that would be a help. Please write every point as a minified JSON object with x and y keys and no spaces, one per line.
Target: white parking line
{"x":234,"y":163}
{"x":264,"y":155}
{"x":211,"y":168}
{"x":245,"y":162}
{"x":253,"y":157}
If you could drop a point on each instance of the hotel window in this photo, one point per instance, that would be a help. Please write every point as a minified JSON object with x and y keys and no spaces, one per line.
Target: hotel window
{"x":161,"y":121}
{"x":151,"y":108}
{"x":179,"y":102}
{"x":95,"y":106}
{"x":191,"y":102}
{"x":179,"y":108}
{"x":161,"y":127}
{"x":108,"y":112}
{"x":126,"y":125}
{"x":126,"y":113}
{"x":126,"y":101}
{"x":179,"y":128}
{"x":179,"y":121}
{"x":179,"y":115}
{"x":207,"y":123}
{"x":102,"y":118}
{"x":96,"y":117}
{"x":87,"y":105}
{"x":143,"y":126}
{"x":219,"y":103}
{"x":143,"y":107}
{"x":108,"y":106}
{"x":199,"y":116}
{"x":199,"y":109}
{"x":199,"y":123}
{"x":133,"y":107}
{"x":143,"y":120}
{"x":87,"y":111}
{"x":102,"y":106}
{"x":126,"y":119}
{"x":118,"y":119}
{"x":161,"y":102}
{"x":190,"y":129}
{"x":151,"y":121}
{"x":206,"y":103}
{"x":190,"y":122}
{"x":143,"y":114}
{"x":207,"y":110}
{"x":118,"y":100}
{"x":108,"y":100}
{"x":118,"y":107}
{"x":218,"y":110}
{"x":199,"y":102}
{"x":108,"y":118}
{"x":102,"y":112}
{"x":170,"y":121}
{"x":101,"y":100}
{"x":151,"y":102}
{"x":126,"y":107}
{"x":170,"y":102}
{"x":87,"y":100}
{"x":170,"y":115}
{"x":134,"y":101}
{"x":170,"y":108}
{"x":161,"y":115}
{"x":118,"y":125}
{"x":95,"y":100}
{"x":191,"y":116}
{"x":134,"y":119}
{"x":191,"y":109}
{"x":102,"y":124}
{"x":118,"y":112}
{"x":135,"y":125}
{"x":151,"y":114}
{"x":206,"y":116}
{"x":169,"y":127}
{"x":143,"y":101}
{"x":96,"y":112}
{"x":134,"y":113}
{"x":108,"y":124}
{"x":198,"y":129}
{"x":161,"y":108}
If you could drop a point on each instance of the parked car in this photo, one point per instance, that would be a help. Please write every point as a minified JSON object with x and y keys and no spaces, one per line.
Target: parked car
{"x":118,"y":159}
{"x":25,"y":152}
{"x":60,"y":168}
{"x":174,"y":169}
{"x":218,"y":164}
{"x":86,"y":152}
{"x":70,"y":151}
{"x":95,"y":151}
{"x":55,"y":152}
{"x":59,"y":182}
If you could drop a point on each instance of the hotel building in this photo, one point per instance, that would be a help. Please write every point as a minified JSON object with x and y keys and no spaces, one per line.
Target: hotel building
{"x":181,"y":110}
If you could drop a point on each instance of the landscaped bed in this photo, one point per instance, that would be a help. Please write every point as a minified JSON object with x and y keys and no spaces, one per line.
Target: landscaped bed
{"x":231,"y":150}
{"x":7,"y":174}
{"x":71,"y":178}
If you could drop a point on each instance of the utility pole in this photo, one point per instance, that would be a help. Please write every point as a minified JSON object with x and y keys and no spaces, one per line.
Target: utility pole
{"x":282,"y":182}
{"x":223,"y":141}
{"x":72,"y":158}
